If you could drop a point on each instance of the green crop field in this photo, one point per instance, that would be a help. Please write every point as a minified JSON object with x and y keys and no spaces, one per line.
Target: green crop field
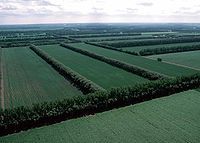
{"x":190,"y":59}
{"x":160,"y":67}
{"x":28,"y":79}
{"x":99,"y":72}
{"x":171,"y":119}
{"x":139,"y":48}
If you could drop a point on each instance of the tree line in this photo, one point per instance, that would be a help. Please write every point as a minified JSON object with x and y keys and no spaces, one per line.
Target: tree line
{"x":125,"y":66}
{"x":85,"y":85}
{"x":153,"y":42}
{"x":165,"y":50}
{"x":23,"y":118}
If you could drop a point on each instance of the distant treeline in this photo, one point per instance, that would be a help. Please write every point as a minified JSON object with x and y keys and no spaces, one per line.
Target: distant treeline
{"x":165,"y":50}
{"x":125,"y":66}
{"x":85,"y":85}
{"x":105,"y":35}
{"x":23,"y":118}
{"x":152,"y":42}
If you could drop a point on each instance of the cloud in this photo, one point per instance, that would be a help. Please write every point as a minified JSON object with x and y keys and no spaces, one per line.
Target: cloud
{"x":145,"y":4}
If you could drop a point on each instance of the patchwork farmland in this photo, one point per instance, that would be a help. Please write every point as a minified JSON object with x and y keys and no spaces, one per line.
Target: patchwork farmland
{"x":79,"y":83}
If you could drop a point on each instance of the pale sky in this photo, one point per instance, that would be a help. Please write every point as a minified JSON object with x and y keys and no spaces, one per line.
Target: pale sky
{"x":83,"y":11}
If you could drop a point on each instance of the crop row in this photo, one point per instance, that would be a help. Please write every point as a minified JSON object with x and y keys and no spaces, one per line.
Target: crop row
{"x":128,"y":67}
{"x":165,"y":50}
{"x":152,"y":42}
{"x":85,"y":85}
{"x":22,"y":118}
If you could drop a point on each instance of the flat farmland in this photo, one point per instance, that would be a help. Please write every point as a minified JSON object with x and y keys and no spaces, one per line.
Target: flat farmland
{"x":28,"y":79}
{"x":99,"y":72}
{"x":170,"y":119}
{"x":189,"y":59}
{"x":160,"y":67}
{"x":139,"y":48}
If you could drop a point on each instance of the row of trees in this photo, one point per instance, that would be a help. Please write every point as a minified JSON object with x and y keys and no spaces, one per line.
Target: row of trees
{"x":128,"y":67}
{"x":85,"y":85}
{"x":105,"y":35}
{"x":112,"y":48}
{"x":23,"y":118}
{"x":164,"y":50}
{"x":152,"y":42}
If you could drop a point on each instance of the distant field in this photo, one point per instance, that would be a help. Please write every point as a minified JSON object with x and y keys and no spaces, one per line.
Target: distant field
{"x":167,"y":69}
{"x":173,"y":119}
{"x":139,"y":48}
{"x":99,"y":72}
{"x":28,"y":79}
{"x":191,"y":59}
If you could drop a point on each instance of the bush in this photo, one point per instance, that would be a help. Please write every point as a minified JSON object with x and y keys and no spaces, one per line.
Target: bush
{"x":23,"y":118}
{"x":159,"y":59}
{"x":85,"y":85}
{"x":125,"y":66}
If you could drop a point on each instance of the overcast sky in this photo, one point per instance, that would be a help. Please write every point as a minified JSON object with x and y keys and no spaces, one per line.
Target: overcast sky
{"x":69,"y":11}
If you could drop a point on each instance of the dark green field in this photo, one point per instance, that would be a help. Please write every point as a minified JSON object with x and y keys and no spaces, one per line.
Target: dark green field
{"x":163,"y":68}
{"x":101,"y":73}
{"x":28,"y":79}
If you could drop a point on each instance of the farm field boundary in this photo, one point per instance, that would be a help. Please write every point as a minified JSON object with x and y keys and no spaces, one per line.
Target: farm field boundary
{"x":128,"y":67}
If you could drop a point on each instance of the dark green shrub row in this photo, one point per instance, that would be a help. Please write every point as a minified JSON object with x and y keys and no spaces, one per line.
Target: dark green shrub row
{"x":165,"y":50}
{"x":112,"y":48}
{"x":152,"y":42}
{"x":85,"y":85}
{"x":23,"y":118}
{"x":105,"y":35}
{"x":125,"y":66}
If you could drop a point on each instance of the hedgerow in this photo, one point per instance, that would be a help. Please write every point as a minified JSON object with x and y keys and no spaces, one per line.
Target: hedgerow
{"x":153,"y":42}
{"x":85,"y":85}
{"x":125,"y":66}
{"x":23,"y":118}
{"x":165,"y":50}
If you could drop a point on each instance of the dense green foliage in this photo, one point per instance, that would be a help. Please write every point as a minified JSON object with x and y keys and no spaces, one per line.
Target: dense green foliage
{"x":22,"y":118}
{"x":164,"y":50}
{"x":111,"y":48}
{"x":130,"y":68}
{"x":152,"y":42}
{"x":28,"y":79}
{"x":172,"y":119}
{"x":85,"y":85}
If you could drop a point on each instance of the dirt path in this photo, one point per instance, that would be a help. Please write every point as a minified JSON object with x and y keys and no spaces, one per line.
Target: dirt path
{"x":176,"y":64}
{"x":182,"y":65}
{"x":2,"y":88}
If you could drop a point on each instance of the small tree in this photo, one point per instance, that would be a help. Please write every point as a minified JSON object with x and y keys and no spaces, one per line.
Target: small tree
{"x":159,"y":59}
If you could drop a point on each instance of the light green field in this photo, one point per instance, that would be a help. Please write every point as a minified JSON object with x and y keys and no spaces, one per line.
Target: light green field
{"x":99,"y":72}
{"x":28,"y":79}
{"x":190,"y":59}
{"x":163,"y":68}
{"x":173,"y":119}
{"x":139,"y":48}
